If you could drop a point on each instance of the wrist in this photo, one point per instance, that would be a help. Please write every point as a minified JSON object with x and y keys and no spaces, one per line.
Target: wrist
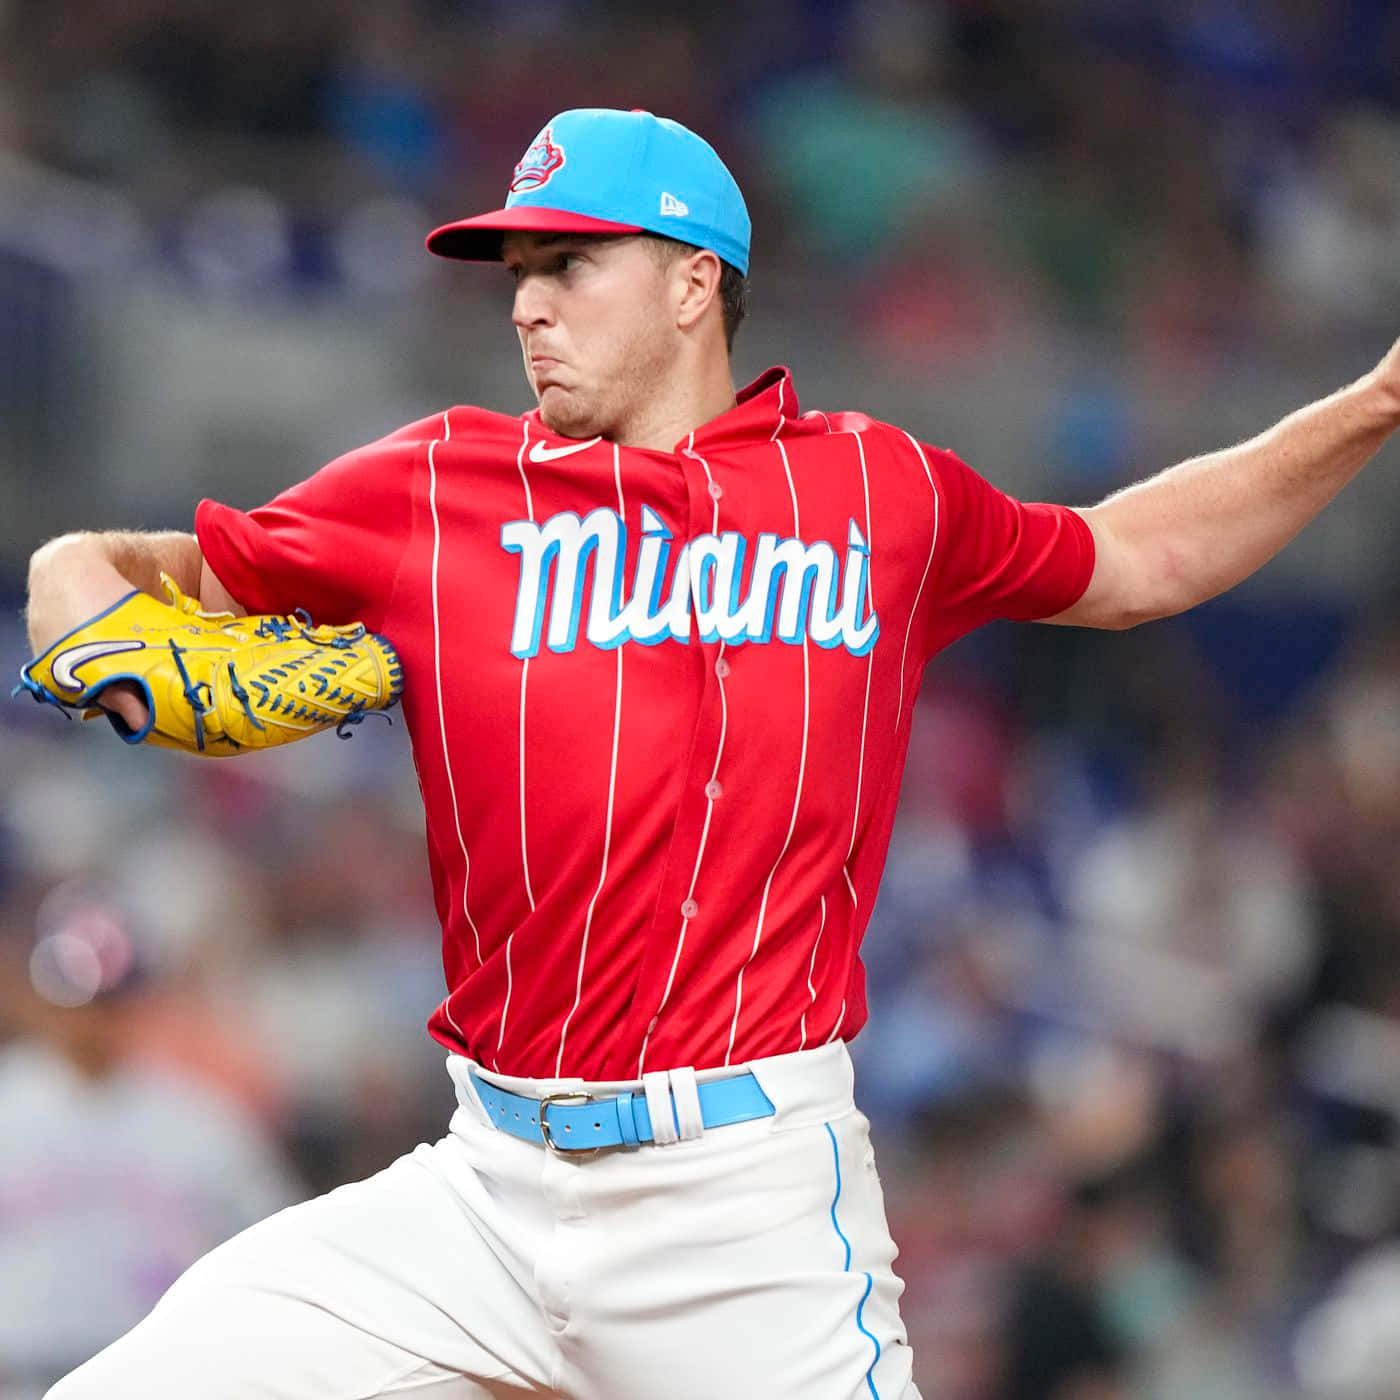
{"x":1382,"y":388}
{"x":55,"y":555}
{"x":70,"y":580}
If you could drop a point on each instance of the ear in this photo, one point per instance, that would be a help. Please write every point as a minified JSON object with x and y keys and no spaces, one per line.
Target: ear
{"x":697,"y":286}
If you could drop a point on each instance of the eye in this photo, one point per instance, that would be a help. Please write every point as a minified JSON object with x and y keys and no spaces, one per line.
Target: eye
{"x":556,"y":265}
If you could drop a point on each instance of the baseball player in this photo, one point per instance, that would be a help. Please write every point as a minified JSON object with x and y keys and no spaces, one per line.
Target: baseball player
{"x":660,"y":645}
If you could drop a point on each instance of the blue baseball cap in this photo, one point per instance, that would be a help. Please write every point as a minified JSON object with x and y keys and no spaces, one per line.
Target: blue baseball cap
{"x":596,"y":170}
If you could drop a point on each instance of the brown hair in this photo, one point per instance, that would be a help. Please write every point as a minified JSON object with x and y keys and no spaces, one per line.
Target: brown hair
{"x":733,"y":285}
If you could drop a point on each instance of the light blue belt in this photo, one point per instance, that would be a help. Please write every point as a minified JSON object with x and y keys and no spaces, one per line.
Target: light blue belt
{"x":577,"y":1122}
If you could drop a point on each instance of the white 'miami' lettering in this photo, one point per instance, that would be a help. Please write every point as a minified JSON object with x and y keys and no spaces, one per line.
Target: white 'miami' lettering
{"x":792,"y":588}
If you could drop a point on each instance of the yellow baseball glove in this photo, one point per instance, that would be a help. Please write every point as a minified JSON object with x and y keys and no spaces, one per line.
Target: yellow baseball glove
{"x":216,"y":684}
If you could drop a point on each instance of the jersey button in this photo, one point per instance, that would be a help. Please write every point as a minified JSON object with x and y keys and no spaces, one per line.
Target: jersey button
{"x":713,"y":788}
{"x":716,"y":490}
{"x":653,"y":1023}
{"x":721,"y":668}
{"x":690,"y":909}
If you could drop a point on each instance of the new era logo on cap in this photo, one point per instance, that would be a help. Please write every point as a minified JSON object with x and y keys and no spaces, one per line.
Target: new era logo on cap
{"x":673,"y":208}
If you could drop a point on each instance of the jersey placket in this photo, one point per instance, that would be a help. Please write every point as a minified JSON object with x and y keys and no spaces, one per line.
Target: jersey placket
{"x":682,"y":902}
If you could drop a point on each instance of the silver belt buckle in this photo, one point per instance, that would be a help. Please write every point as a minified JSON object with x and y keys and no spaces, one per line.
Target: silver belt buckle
{"x":561,"y":1149}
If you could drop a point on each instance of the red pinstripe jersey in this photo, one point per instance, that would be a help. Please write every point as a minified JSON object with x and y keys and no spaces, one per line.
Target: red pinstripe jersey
{"x":659,"y":702}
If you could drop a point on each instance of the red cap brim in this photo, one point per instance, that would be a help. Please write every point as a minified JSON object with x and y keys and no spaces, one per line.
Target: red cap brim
{"x":479,"y":239}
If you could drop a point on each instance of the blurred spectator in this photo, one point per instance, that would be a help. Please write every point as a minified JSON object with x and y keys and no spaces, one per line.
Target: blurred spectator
{"x":866,"y":152}
{"x":1348,"y":1347}
{"x":1192,"y":921}
{"x":116,"y":1173}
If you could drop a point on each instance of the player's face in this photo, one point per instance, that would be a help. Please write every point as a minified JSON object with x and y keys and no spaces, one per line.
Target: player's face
{"x":595,"y":325}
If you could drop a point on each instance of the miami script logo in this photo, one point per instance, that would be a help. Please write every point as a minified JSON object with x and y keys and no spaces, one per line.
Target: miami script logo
{"x":572,"y":579}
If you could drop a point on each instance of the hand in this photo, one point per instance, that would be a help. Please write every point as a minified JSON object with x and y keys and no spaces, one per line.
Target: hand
{"x":125,"y":700}
{"x":175,"y":676}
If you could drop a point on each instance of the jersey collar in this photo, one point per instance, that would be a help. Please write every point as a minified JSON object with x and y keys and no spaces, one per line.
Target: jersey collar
{"x":761,"y":409}
{"x":759,"y":413}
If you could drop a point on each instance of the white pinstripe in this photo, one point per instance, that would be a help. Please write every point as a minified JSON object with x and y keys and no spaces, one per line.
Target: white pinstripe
{"x":811,"y":968}
{"x":840,"y":1021}
{"x":860,"y":762}
{"x":709,"y":801}
{"x":607,"y":830}
{"x":801,"y":775}
{"x":524,"y":677}
{"x":914,"y":611}
{"x":524,"y":849}
{"x":860,"y":769}
{"x":442,"y":713}
{"x":860,"y":772}
{"x":451,"y":1019}
{"x":869,"y":668}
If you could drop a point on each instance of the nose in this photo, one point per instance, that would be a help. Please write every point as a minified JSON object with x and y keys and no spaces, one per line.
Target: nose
{"x":532,"y":303}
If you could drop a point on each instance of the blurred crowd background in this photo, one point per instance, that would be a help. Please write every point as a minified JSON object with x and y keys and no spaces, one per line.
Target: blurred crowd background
{"x":1134,"y":1058}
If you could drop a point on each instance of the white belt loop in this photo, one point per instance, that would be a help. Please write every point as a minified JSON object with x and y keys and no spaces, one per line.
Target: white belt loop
{"x":687,"y":1096}
{"x":658,"y":1090}
{"x":459,"y":1069}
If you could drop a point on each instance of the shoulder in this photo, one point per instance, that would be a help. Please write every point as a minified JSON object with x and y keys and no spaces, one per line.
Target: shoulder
{"x":821,"y":420}
{"x":884,"y":442}
{"x":456,"y":424}
{"x":827,"y":422}
{"x":483,"y":428}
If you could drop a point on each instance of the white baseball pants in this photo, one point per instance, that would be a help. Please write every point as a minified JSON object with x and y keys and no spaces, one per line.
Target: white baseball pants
{"x":746,"y":1261}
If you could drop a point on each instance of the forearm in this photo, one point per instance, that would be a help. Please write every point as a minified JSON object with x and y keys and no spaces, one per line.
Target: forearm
{"x":75,"y":576}
{"x":1201,"y":527}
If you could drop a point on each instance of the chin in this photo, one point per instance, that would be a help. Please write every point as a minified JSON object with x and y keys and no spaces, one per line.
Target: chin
{"x":561,"y":413}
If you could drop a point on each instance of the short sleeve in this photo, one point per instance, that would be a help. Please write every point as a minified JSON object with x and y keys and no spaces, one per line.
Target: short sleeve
{"x":330,"y":544}
{"x":997,"y":557}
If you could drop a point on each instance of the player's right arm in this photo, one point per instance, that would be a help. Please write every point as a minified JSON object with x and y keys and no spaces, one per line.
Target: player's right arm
{"x":74,"y":577}
{"x":326,"y":545}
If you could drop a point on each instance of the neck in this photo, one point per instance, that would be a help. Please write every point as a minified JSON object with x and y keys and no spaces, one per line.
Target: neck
{"x":692,"y":398}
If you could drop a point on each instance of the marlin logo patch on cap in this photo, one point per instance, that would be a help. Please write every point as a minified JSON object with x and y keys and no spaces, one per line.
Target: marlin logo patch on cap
{"x":538,"y":164}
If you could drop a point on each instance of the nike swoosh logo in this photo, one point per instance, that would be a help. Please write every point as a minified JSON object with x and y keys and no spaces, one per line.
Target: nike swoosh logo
{"x":67,"y":662}
{"x":540,"y":453}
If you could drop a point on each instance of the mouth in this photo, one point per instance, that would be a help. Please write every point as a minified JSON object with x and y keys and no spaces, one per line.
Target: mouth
{"x":545,"y":370}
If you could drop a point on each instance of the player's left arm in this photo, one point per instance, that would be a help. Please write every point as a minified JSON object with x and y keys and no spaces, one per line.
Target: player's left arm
{"x":1202,"y":526}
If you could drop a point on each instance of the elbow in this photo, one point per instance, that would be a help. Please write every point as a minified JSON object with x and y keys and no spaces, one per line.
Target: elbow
{"x":1131,"y":585}
{"x":1159,"y":590}
{"x":1125,"y":621}
{"x":1129,"y":615}
{"x":1168,"y":583}
{"x":1142,"y":574}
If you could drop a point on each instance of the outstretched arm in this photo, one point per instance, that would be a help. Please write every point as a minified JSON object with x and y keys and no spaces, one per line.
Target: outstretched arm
{"x":1202,"y":526}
